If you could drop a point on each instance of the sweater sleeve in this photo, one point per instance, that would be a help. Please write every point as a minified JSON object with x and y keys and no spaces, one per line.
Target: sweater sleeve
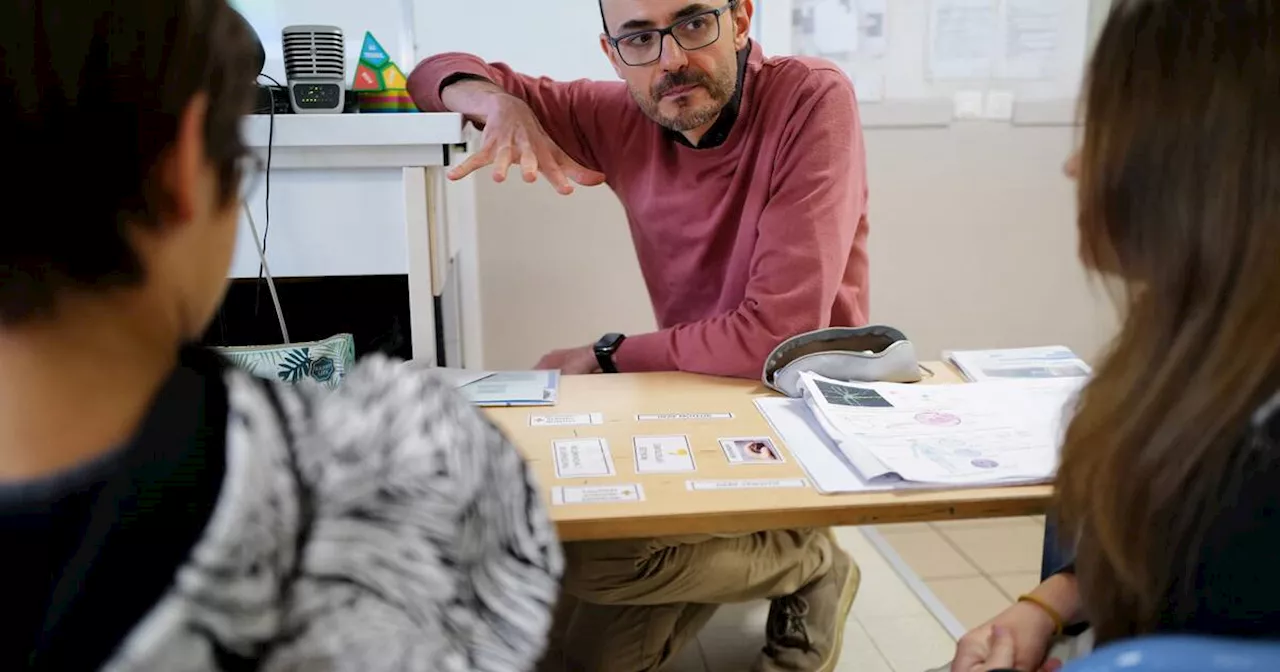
{"x":428,"y":547}
{"x":568,"y":110}
{"x":814,"y":218}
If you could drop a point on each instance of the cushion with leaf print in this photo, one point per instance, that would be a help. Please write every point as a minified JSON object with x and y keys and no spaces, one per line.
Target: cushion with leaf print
{"x":321,"y":362}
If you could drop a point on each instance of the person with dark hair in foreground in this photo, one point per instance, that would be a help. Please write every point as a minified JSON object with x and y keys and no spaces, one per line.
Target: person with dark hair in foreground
{"x":159,"y":510}
{"x":1167,"y":492}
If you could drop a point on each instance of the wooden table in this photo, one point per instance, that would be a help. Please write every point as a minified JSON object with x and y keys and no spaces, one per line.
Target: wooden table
{"x":670,"y":508}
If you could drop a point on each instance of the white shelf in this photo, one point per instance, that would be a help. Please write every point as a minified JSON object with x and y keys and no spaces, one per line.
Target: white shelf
{"x":906,"y":114}
{"x":326,"y":141}
{"x":1046,"y":113}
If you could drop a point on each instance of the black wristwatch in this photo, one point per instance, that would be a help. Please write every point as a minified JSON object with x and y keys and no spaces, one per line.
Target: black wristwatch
{"x":606,"y":348}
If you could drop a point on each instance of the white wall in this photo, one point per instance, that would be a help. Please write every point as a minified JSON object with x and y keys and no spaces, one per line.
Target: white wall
{"x":973,"y":244}
{"x":973,"y":241}
{"x":556,"y":38}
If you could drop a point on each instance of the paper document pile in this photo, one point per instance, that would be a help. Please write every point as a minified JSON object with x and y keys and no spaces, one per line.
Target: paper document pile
{"x":1053,"y":361}
{"x":870,"y":436}
{"x":514,"y":388}
{"x":500,"y":388}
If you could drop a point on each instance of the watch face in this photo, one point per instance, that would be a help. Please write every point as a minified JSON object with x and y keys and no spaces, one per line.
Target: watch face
{"x":609,"y":342}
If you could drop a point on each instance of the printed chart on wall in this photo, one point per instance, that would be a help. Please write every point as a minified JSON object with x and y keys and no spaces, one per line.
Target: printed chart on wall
{"x":1005,"y":39}
{"x":840,"y":29}
{"x":852,"y":33}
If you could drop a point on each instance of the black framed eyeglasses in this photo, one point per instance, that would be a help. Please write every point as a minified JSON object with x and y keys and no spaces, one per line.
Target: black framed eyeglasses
{"x":690,"y":33}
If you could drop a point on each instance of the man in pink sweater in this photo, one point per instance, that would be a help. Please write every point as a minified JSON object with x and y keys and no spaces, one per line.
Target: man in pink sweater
{"x":744,"y":183}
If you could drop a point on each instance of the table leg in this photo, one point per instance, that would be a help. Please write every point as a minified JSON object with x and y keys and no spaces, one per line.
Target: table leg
{"x":422,"y":308}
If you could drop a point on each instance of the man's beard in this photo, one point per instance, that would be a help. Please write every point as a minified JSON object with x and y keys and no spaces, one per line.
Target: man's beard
{"x":720,"y":89}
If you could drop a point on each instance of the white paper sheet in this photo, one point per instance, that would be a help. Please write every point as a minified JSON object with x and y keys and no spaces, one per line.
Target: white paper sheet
{"x":828,"y":469}
{"x":962,"y":39}
{"x":459,"y":377}
{"x":514,"y":388}
{"x":875,"y":27}
{"x":1054,"y":361}
{"x":1031,"y":38}
{"x":979,"y":433}
{"x":835,"y":27}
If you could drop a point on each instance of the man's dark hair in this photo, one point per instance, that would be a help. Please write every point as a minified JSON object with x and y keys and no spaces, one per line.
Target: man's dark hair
{"x":604,"y":24}
{"x":91,"y":95}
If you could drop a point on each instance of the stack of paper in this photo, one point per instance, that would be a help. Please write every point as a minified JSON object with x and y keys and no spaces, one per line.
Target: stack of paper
{"x":1053,"y":361}
{"x":853,"y":437}
{"x":500,"y":388}
{"x":458,"y":378}
{"x":514,"y":388}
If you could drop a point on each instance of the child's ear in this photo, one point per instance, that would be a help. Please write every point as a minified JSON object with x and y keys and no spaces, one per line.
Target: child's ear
{"x":181,"y":164}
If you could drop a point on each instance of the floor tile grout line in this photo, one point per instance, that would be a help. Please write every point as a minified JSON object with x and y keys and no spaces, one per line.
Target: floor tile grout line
{"x":935,"y":607}
{"x":951,"y":542}
{"x":997,"y":584}
{"x":884,"y":657}
{"x":981,"y":569}
{"x":888,"y":536}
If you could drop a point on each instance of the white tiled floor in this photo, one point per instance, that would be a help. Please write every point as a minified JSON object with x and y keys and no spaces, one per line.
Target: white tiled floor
{"x":889,"y":631}
{"x":975,"y":568}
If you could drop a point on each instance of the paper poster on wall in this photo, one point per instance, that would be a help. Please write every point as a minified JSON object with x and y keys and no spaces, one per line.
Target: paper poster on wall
{"x":874,"y":27}
{"x":1031,"y":38}
{"x":841,"y":30}
{"x":962,"y":39}
{"x":827,"y":28}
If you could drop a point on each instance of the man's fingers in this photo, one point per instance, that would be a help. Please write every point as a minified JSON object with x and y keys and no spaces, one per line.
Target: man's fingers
{"x":1000,"y":655}
{"x":528,"y":163}
{"x":502,"y":163}
{"x":549,"y":362}
{"x":473,"y":163}
{"x":580,"y":174}
{"x":551,"y":169}
{"x":589,"y":178}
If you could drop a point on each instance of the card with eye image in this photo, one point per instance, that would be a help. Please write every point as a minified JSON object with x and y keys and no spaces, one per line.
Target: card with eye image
{"x":751,"y":450}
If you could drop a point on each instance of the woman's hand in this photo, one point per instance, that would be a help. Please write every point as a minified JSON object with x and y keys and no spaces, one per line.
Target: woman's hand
{"x":995,"y":652}
{"x":1018,"y":638}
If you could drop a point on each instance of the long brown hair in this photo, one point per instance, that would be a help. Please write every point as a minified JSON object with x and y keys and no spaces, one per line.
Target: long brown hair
{"x":1180,"y":201}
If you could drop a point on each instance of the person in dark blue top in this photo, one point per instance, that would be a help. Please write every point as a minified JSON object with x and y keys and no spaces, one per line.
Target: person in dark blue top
{"x":161,"y":510}
{"x":1169,"y":488}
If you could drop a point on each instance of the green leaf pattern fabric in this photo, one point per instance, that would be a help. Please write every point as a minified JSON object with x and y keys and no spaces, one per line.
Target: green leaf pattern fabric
{"x":322,"y":362}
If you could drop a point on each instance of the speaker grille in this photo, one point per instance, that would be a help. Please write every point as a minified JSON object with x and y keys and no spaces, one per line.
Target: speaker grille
{"x":314,"y":53}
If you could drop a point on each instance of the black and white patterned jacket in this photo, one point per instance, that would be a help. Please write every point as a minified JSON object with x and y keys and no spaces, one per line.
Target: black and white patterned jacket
{"x":383,"y":526}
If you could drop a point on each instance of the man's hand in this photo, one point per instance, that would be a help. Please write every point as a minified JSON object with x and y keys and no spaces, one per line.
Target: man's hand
{"x":571,"y":362}
{"x":1018,"y":638}
{"x":514,"y":136}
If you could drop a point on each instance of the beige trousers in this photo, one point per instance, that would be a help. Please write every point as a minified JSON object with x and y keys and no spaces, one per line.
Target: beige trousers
{"x":630,"y":606}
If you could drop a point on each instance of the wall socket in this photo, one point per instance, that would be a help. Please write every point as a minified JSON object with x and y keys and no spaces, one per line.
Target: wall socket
{"x":999,"y":106}
{"x":969,"y":105}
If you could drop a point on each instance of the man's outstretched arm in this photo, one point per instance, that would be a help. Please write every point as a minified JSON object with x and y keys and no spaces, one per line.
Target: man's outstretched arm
{"x":537,"y":124}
